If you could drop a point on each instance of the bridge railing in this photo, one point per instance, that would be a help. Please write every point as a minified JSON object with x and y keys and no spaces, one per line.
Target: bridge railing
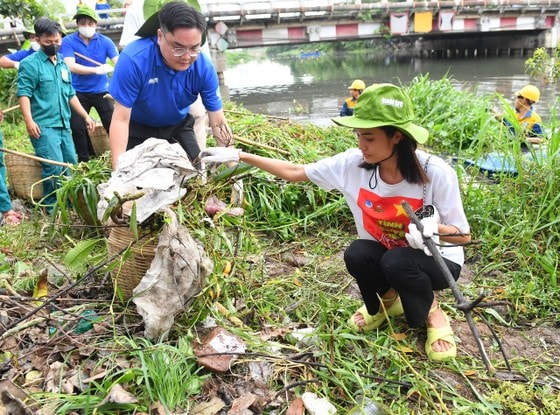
{"x":242,"y":12}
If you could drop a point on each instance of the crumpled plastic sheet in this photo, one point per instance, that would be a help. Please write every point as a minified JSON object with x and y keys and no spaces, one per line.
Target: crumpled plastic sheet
{"x":177,"y":274}
{"x":155,"y":167}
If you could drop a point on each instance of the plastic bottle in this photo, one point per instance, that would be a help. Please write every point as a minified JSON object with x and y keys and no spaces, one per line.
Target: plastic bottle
{"x":368,"y":407}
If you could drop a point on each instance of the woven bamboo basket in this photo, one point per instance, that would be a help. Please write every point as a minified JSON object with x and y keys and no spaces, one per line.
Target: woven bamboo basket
{"x":24,"y":176}
{"x":129,"y":273}
{"x":99,"y":140}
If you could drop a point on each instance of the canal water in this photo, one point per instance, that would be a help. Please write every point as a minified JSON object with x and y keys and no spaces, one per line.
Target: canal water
{"x":313,"y":89}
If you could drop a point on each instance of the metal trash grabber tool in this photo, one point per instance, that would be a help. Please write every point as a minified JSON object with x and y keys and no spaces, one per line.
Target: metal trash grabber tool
{"x":461,"y":302}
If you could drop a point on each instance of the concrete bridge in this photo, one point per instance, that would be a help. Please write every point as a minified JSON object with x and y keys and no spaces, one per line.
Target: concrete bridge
{"x":441,"y":28}
{"x":435,"y":28}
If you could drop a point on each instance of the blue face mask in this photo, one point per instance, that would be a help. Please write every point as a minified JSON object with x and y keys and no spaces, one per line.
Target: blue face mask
{"x":51,"y":50}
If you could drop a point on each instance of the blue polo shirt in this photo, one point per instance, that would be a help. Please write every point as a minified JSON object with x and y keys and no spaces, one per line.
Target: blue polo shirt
{"x":20,"y":55}
{"x":48,"y":87}
{"x":99,"y":48}
{"x":158,"y":95}
{"x":102,"y":6}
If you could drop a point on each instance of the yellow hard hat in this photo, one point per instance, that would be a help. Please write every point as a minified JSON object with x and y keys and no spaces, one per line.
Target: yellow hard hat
{"x":358,"y":84}
{"x":530,"y":92}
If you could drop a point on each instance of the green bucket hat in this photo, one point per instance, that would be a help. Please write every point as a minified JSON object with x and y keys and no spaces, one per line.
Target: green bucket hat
{"x":87,"y":12}
{"x":151,"y":25}
{"x":27,"y":32}
{"x":383,"y":105}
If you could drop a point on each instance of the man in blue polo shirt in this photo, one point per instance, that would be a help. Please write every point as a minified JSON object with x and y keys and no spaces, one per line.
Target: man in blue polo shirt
{"x":158,"y":77}
{"x":86,"y":52}
{"x":100,"y":6}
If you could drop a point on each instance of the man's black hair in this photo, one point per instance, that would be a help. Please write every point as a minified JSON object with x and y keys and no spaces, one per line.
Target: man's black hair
{"x":44,"y":26}
{"x":178,"y":14}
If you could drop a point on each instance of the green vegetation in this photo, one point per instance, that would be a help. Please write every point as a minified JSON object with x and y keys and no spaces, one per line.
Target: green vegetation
{"x":27,"y":10}
{"x":287,"y":274}
{"x":544,"y":65}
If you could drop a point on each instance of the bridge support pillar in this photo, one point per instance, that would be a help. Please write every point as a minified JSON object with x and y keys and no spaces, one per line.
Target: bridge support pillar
{"x":493,"y":44}
{"x":551,"y":35}
{"x":219,"y":61}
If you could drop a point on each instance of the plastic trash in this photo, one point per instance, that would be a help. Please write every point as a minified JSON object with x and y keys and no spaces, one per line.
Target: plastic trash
{"x":316,"y":405}
{"x":86,"y":322}
{"x":368,"y":407}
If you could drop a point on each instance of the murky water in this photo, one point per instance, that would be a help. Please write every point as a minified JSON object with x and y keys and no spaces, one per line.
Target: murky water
{"x":314,"y":89}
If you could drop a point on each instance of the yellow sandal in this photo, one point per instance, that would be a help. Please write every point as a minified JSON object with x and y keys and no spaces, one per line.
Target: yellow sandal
{"x":375,"y":321}
{"x":444,"y":333}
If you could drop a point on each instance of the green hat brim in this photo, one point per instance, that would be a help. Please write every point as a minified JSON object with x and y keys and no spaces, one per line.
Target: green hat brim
{"x":151,"y":25}
{"x":86,"y":12}
{"x":419,"y":134}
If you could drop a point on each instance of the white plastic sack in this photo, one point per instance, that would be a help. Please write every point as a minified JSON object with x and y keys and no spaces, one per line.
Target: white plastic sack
{"x":177,"y":274}
{"x":157,"y":168}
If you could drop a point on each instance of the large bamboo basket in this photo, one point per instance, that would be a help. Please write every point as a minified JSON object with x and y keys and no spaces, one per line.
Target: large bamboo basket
{"x":24,"y":176}
{"x":99,"y":139}
{"x":129,"y":273}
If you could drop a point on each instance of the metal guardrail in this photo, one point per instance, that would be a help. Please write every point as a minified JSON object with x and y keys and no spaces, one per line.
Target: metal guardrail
{"x":241,"y":11}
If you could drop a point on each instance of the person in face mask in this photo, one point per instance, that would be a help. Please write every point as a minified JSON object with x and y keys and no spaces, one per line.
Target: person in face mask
{"x":86,"y":53}
{"x":45,"y":94}
{"x":30,"y":46}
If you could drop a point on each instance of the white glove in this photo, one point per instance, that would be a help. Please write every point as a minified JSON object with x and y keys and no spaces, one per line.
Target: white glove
{"x":16,"y":64}
{"x":430,"y":229}
{"x":220,"y":155}
{"x":104,"y":69}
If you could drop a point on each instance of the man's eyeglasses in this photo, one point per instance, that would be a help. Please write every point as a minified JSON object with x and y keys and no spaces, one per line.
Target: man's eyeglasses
{"x":520,"y":97}
{"x":178,"y":52}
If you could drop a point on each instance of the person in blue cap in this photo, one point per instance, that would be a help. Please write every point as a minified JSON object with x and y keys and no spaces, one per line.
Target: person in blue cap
{"x":86,"y":53}
{"x":395,"y":271}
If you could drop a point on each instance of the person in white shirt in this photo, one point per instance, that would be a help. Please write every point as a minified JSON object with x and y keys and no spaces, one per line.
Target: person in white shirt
{"x":395,"y":271}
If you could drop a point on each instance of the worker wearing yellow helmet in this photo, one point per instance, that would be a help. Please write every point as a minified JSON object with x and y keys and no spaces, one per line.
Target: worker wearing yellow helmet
{"x":349,"y":103}
{"x":528,"y":120}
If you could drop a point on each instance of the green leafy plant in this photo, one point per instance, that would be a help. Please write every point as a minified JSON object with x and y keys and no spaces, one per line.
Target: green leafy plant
{"x":543,"y":65}
{"x":28,"y":10}
{"x":78,"y":191}
{"x":170,"y":373}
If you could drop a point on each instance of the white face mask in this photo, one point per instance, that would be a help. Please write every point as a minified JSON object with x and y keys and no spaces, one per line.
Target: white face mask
{"x":34,"y":45}
{"x":86,"y":31}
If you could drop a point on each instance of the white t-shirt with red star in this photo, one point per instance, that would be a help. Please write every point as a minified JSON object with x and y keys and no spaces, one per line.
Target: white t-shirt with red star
{"x":376,"y":205}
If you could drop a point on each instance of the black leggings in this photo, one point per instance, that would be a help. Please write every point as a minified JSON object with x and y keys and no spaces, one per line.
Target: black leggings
{"x":82,"y":140}
{"x":413,"y":274}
